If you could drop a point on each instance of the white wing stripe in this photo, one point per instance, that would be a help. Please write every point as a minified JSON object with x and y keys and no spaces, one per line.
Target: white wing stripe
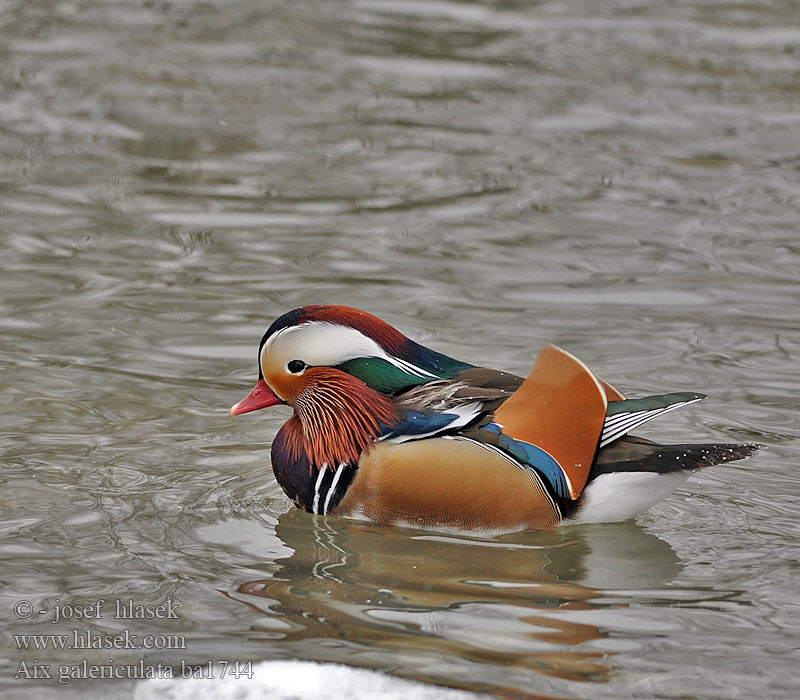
{"x":629,"y":419}
{"x":622,"y":423}
{"x":623,"y":427}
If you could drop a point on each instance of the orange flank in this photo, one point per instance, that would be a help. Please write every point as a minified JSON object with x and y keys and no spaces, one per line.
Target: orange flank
{"x":442,"y":482}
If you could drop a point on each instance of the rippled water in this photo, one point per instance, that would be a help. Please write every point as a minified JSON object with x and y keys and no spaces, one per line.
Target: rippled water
{"x":620,"y":178}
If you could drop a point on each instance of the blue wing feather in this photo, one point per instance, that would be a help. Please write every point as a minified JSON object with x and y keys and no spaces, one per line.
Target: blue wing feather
{"x":415,"y":425}
{"x":535,"y":457}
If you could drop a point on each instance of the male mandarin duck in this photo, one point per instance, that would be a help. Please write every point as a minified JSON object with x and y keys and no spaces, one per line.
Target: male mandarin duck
{"x":392,"y":431}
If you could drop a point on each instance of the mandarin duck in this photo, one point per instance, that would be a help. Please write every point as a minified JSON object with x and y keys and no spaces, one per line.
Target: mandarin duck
{"x":389,"y":430}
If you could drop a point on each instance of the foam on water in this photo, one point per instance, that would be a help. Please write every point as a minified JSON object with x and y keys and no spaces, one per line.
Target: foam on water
{"x":298,"y":680}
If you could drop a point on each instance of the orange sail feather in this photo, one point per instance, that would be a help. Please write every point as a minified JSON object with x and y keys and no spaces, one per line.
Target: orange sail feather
{"x":561,"y":408}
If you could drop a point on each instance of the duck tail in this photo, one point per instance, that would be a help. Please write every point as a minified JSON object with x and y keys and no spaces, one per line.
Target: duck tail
{"x":633,"y":474}
{"x":635,"y":454}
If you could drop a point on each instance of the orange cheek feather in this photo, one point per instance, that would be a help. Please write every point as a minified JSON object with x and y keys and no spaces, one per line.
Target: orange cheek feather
{"x":336,"y":416}
{"x":285,"y":386}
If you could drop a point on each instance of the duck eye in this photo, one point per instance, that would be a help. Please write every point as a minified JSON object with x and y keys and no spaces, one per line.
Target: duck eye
{"x":296,"y":366}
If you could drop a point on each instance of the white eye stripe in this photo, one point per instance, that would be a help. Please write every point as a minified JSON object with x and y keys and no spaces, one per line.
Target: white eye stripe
{"x":320,"y":343}
{"x":408,"y":367}
{"x":270,"y":341}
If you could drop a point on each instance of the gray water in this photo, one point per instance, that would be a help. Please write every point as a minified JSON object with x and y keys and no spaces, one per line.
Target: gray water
{"x":619,"y":178}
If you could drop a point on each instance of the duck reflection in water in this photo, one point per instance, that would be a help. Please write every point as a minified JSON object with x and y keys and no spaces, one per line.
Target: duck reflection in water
{"x":527,"y":601}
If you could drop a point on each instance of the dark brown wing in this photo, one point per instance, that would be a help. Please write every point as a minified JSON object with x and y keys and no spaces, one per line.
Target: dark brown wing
{"x":489,"y":387}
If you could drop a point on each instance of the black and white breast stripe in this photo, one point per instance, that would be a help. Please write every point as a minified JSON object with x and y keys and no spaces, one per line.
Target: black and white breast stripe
{"x":622,"y":423}
{"x":330,"y":487}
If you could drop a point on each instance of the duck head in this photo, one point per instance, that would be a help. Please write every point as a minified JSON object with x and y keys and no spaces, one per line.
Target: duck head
{"x":338,"y":368}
